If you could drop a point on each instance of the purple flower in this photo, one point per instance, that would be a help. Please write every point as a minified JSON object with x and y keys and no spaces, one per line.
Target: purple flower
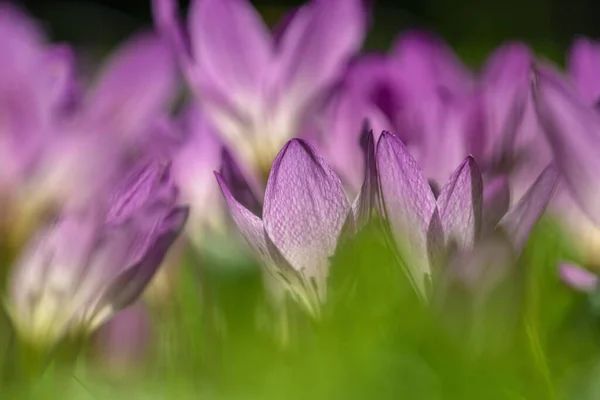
{"x":305,"y":210}
{"x":132,"y":90}
{"x":258,"y":90}
{"x":578,"y":278}
{"x":84,"y":136}
{"x":194,"y":161}
{"x":81,"y":269}
{"x":572,"y":127}
{"x":419,"y":91}
{"x":422,"y":93}
{"x":426,"y":229}
{"x":583,"y":66}
{"x":567,"y":110}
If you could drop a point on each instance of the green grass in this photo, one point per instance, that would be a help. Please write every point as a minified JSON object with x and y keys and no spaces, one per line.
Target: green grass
{"x":532,"y":339}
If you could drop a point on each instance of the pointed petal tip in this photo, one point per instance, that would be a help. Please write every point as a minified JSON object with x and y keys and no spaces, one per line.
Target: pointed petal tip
{"x":523,"y":216}
{"x":221,"y":180}
{"x":471,"y":162}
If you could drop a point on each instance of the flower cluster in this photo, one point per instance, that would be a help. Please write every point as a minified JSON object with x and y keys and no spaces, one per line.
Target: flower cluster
{"x":295,"y":138}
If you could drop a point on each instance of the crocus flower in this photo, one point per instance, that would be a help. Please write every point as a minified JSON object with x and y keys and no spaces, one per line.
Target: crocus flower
{"x":418,"y":91}
{"x":305,"y":210}
{"x":77,"y":272}
{"x":121,"y":112}
{"x":442,"y":113}
{"x":259,"y":90}
{"x":567,"y":110}
{"x":572,"y":127}
{"x":426,"y":229}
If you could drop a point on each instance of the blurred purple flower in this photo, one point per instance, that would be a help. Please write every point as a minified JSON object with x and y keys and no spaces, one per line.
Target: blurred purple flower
{"x":62,"y":147}
{"x":442,"y":113}
{"x":426,"y":229}
{"x":419,"y":91}
{"x":134,"y":88}
{"x":578,"y":278}
{"x":257,"y":91}
{"x":573,"y":129}
{"x":77,"y":272}
{"x":305,"y":210}
{"x":583,"y":66}
{"x":567,"y":110}
{"x":194,"y":161}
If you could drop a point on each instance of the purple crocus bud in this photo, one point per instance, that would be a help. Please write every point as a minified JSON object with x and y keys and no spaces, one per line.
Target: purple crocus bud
{"x":258,"y":92}
{"x":460,"y":205}
{"x":427,"y":230}
{"x":583,"y":66}
{"x":305,"y":210}
{"x":408,"y":204}
{"x":522,"y":217}
{"x":578,"y":278}
{"x":572,"y":127}
{"x":87,"y":265}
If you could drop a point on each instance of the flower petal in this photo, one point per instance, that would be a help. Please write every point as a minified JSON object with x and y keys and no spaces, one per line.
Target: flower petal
{"x":131,"y":281}
{"x":578,"y":278}
{"x":505,"y":85}
{"x":584,"y":67}
{"x":315,"y":46}
{"x":460,"y":205}
{"x":430,"y":64}
{"x":277,"y":267}
{"x":408,"y":204}
{"x":251,"y":227}
{"x":59,"y":62}
{"x":135,"y":84}
{"x":166,"y":20}
{"x":496,"y":201}
{"x":231,"y":46}
{"x":573,"y":131}
{"x":365,"y":203}
{"x":305,"y":210}
{"x":523,"y":216}
{"x":145,"y":182}
{"x":235,"y":179}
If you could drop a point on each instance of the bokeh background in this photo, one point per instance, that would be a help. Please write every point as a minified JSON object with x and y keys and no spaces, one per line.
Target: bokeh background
{"x":472,"y":27}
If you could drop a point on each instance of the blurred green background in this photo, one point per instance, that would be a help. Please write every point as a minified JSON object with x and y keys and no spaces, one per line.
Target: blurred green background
{"x":472,"y":27}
